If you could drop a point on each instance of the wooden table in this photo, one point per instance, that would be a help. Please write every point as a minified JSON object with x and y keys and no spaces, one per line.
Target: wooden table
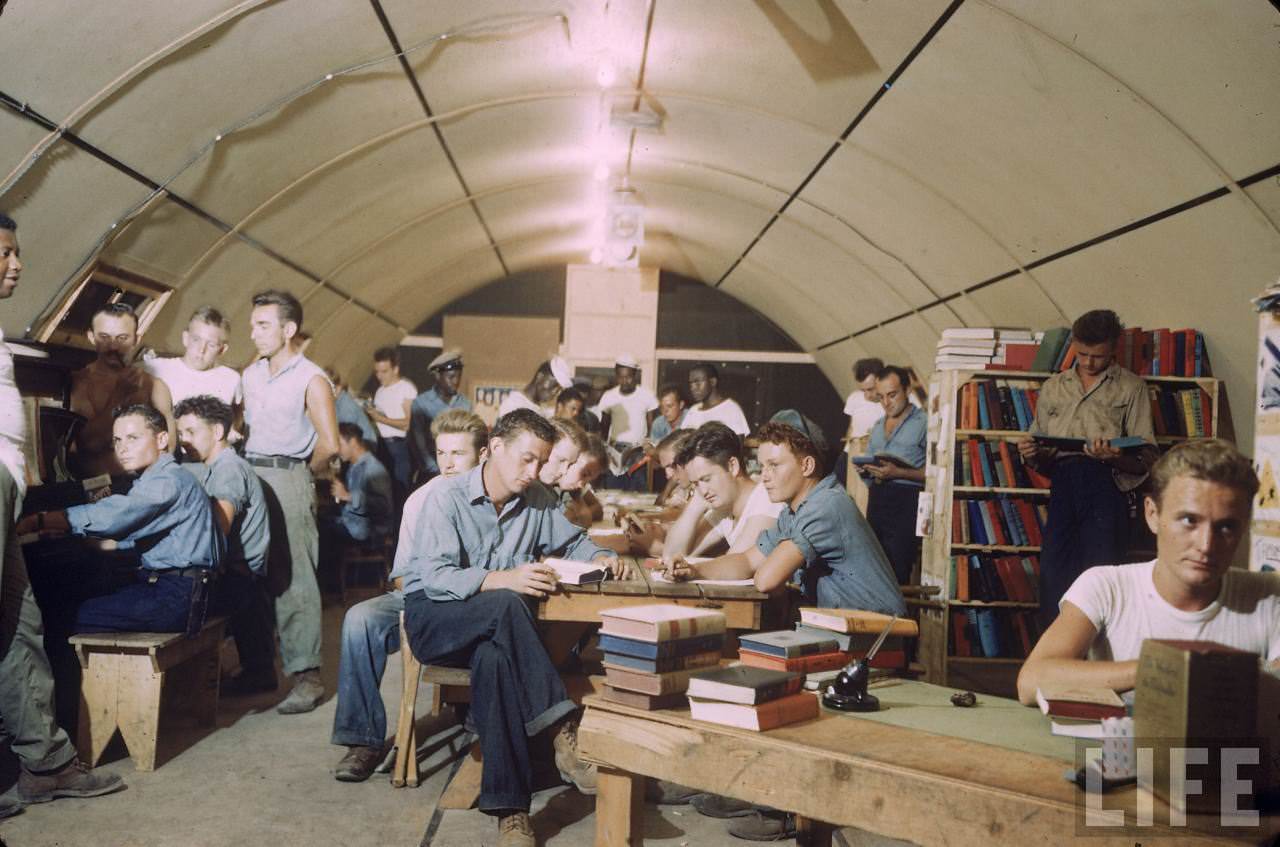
{"x":841,"y":770}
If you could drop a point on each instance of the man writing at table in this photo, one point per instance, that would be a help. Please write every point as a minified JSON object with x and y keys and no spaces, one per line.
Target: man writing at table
{"x":1199,"y":506}
{"x":482,"y":535}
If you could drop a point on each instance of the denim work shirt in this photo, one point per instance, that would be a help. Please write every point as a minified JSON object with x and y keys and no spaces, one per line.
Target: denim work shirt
{"x":275,"y":408}
{"x":844,"y":566}
{"x":349,"y":411}
{"x":463,"y":538}
{"x":660,"y":429}
{"x":907,"y":441}
{"x":425,"y":408}
{"x":231,"y":478}
{"x":368,"y":513}
{"x":166,"y":516}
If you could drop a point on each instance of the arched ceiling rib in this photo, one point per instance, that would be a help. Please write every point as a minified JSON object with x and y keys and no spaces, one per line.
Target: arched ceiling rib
{"x":865,"y":172}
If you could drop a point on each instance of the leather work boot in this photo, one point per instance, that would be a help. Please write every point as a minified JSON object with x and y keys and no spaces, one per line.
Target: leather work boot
{"x":74,"y":780}
{"x":307,"y":693}
{"x":715,"y":806}
{"x":767,"y":825}
{"x":664,"y":793}
{"x":359,"y":763}
{"x":572,"y":769}
{"x":515,"y":830}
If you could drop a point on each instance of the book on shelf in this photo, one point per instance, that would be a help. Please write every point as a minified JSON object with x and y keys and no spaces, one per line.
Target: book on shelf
{"x":743,"y":684}
{"x":998,"y":464}
{"x":787,"y":643}
{"x":1079,"y":702}
{"x":855,"y":620}
{"x":649,"y":683}
{"x":790,"y":709}
{"x":1181,"y":412}
{"x":693,"y":661}
{"x":577,"y":573}
{"x":640,"y":700}
{"x":992,"y":633}
{"x":814,"y":663}
{"x":1001,"y":404}
{"x":985,"y":348}
{"x":1051,"y":348}
{"x":660,"y":622}
{"x":660,"y":649}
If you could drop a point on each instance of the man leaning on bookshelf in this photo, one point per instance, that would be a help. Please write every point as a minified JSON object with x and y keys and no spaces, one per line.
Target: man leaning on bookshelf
{"x":1096,"y":400}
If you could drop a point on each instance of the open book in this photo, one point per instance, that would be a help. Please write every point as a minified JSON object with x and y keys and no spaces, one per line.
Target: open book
{"x":577,"y":573}
{"x":887,"y":458}
{"x":1124,"y":443}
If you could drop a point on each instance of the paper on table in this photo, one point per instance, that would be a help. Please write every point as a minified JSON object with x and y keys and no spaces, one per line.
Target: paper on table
{"x":658,"y":577}
{"x":605,"y":531}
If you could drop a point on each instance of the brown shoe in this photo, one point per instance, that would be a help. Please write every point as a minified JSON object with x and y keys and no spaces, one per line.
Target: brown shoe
{"x":574,"y":771}
{"x":515,"y":830}
{"x":307,"y":693}
{"x":74,"y":780}
{"x":359,"y":763}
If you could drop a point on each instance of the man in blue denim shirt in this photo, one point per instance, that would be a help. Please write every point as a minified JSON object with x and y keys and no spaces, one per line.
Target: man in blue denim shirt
{"x":166,"y":516}
{"x":366,"y":498}
{"x":481,"y":537}
{"x":894,"y":489}
{"x":435,"y":401}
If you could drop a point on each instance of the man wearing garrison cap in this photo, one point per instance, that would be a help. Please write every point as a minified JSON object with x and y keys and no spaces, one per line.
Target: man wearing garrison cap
{"x":435,"y":401}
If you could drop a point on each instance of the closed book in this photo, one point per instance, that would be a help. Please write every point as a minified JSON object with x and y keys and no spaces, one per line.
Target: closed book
{"x":1027,"y":513}
{"x":972,"y":332}
{"x":855,"y":642}
{"x":801,"y":664}
{"x":660,"y":622}
{"x":959,"y":635}
{"x":693,"y":661}
{"x":971,"y":633}
{"x":1079,"y":702}
{"x":1206,"y":414}
{"x":856,"y":620}
{"x":744,"y":684}
{"x":1179,"y":353}
{"x":975,"y":464}
{"x":962,"y":578}
{"x":1020,"y":356}
{"x":648,"y":702}
{"x":984,"y":414}
{"x":793,"y":708}
{"x":1006,"y":461}
{"x":661,"y":649}
{"x":1047,"y":352}
{"x":648,"y":683}
{"x":1009,"y":569}
{"x":787,"y":643}
{"x":577,"y":573}
{"x":989,"y":633}
{"x":1068,"y":357}
{"x":991,"y":524}
{"x":977,"y":527}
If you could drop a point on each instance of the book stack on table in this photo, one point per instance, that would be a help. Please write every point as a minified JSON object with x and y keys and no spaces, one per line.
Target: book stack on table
{"x":855,"y":631}
{"x":802,"y":651}
{"x":650,"y":652}
{"x":751,"y":698}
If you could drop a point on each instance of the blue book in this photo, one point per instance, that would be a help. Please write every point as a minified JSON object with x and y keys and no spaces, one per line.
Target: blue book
{"x":984,"y":417}
{"x":1199,"y":354}
{"x":988,"y":469}
{"x":707,"y":659}
{"x":971,"y":624}
{"x":988,"y":632}
{"x":987,"y":527}
{"x":660,"y":649}
{"x":977,"y":533}
{"x":1016,"y":535}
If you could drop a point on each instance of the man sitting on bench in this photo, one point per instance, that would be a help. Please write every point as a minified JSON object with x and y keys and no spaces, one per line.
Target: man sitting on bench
{"x":481,"y":537}
{"x":166,"y":516}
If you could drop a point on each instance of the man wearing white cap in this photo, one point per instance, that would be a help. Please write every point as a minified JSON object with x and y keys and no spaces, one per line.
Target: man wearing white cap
{"x":435,"y":401}
{"x":540,"y":394}
{"x":626,"y":412}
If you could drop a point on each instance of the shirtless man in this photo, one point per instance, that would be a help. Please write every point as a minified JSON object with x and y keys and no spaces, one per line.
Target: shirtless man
{"x":109,"y":382}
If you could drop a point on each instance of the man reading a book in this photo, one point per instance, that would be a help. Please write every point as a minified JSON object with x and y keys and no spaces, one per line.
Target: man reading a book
{"x":470,"y":570}
{"x":1199,"y":506}
{"x":896,"y":481}
{"x":820,"y":534}
{"x":1095,"y":400}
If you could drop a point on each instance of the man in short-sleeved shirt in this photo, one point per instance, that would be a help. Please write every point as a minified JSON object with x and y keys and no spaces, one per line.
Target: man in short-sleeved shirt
{"x":891,"y":502}
{"x":710,"y":405}
{"x":628,"y":408}
{"x":197,"y":371}
{"x":391,"y":412}
{"x":1199,"y":507}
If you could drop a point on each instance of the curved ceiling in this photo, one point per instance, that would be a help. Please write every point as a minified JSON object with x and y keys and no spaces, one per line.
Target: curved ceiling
{"x":863,"y":172}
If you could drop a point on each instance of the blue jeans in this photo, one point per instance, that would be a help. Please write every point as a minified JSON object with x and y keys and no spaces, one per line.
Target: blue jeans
{"x":370,"y":633}
{"x":401,"y":462}
{"x":515,"y":690}
{"x":160,"y":606}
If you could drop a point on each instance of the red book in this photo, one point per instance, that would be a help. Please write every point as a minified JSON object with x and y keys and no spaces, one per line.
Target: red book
{"x":1028,"y":515}
{"x":1006,"y":460}
{"x":976,"y":459}
{"x":971,"y":405}
{"x":1165,"y":339}
{"x":1038,"y":480}
{"x":1014,"y":578}
{"x":800,"y":664}
{"x":785,"y":710}
{"x":997,"y":523}
{"x":1069,"y":359}
{"x":1206,"y":413}
{"x":960,"y":645}
{"x":1087,"y":704}
{"x":962,"y":577}
{"x":1018,"y":357}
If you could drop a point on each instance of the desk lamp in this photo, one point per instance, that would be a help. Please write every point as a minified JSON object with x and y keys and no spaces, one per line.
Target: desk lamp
{"x":849,"y":691}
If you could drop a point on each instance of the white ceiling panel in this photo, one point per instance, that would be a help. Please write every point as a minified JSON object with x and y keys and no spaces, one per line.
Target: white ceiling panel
{"x":837,"y":361}
{"x":162,"y":242}
{"x":1020,"y":301}
{"x":160,"y":121}
{"x":839,"y":53}
{"x":1054,"y":154}
{"x":808,"y":320}
{"x":1266,"y":195}
{"x":438,"y":284}
{"x":1210,"y":67}
{"x":332,"y":341}
{"x":565,"y":205}
{"x":21,"y":137}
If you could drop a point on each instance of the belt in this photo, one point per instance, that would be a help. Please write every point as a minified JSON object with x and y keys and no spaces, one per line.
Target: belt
{"x":285,"y":462}
{"x":393,"y":438}
{"x":153,"y":574}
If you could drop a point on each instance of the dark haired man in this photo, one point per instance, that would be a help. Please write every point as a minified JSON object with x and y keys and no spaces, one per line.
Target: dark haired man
{"x":108,"y":382}
{"x":197,"y":371}
{"x":1096,"y":400}
{"x":166,"y":516}
{"x":551,"y":377}
{"x":710,"y":405}
{"x":570,"y":404}
{"x":670,"y":416}
{"x":483,"y":533}
{"x":891,"y":502}
{"x":50,"y":768}
{"x":724,"y":498}
{"x":819,"y":531}
{"x":626,"y":410}
{"x":241,"y":509}
{"x":293,"y":432}
{"x":367,"y":503}
{"x":864,"y":409}
{"x":391,"y":411}
{"x":435,"y":401}
{"x":1198,"y":509}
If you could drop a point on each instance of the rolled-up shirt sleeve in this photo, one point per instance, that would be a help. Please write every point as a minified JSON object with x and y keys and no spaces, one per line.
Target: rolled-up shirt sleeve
{"x":119,"y":515}
{"x":567,"y":540}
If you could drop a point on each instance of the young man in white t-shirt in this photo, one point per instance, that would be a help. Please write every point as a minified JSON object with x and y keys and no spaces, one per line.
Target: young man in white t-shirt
{"x":627,"y":410}
{"x":197,"y":371}
{"x":736,"y":508}
{"x":391,"y":413}
{"x":710,"y":405}
{"x":1202,"y":494}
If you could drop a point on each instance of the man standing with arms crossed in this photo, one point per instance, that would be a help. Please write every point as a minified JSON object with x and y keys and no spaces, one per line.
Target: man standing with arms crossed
{"x":293,"y":432}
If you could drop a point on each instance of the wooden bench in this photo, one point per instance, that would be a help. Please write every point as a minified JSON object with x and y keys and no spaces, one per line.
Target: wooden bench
{"x":130,"y":677}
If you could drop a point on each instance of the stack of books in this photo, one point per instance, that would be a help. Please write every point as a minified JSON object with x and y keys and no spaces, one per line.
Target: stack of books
{"x":650,"y":652}
{"x":855,"y":631}
{"x":986,"y":348}
{"x":1077,"y":711}
{"x":751,"y":698}
{"x":809,"y":651}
